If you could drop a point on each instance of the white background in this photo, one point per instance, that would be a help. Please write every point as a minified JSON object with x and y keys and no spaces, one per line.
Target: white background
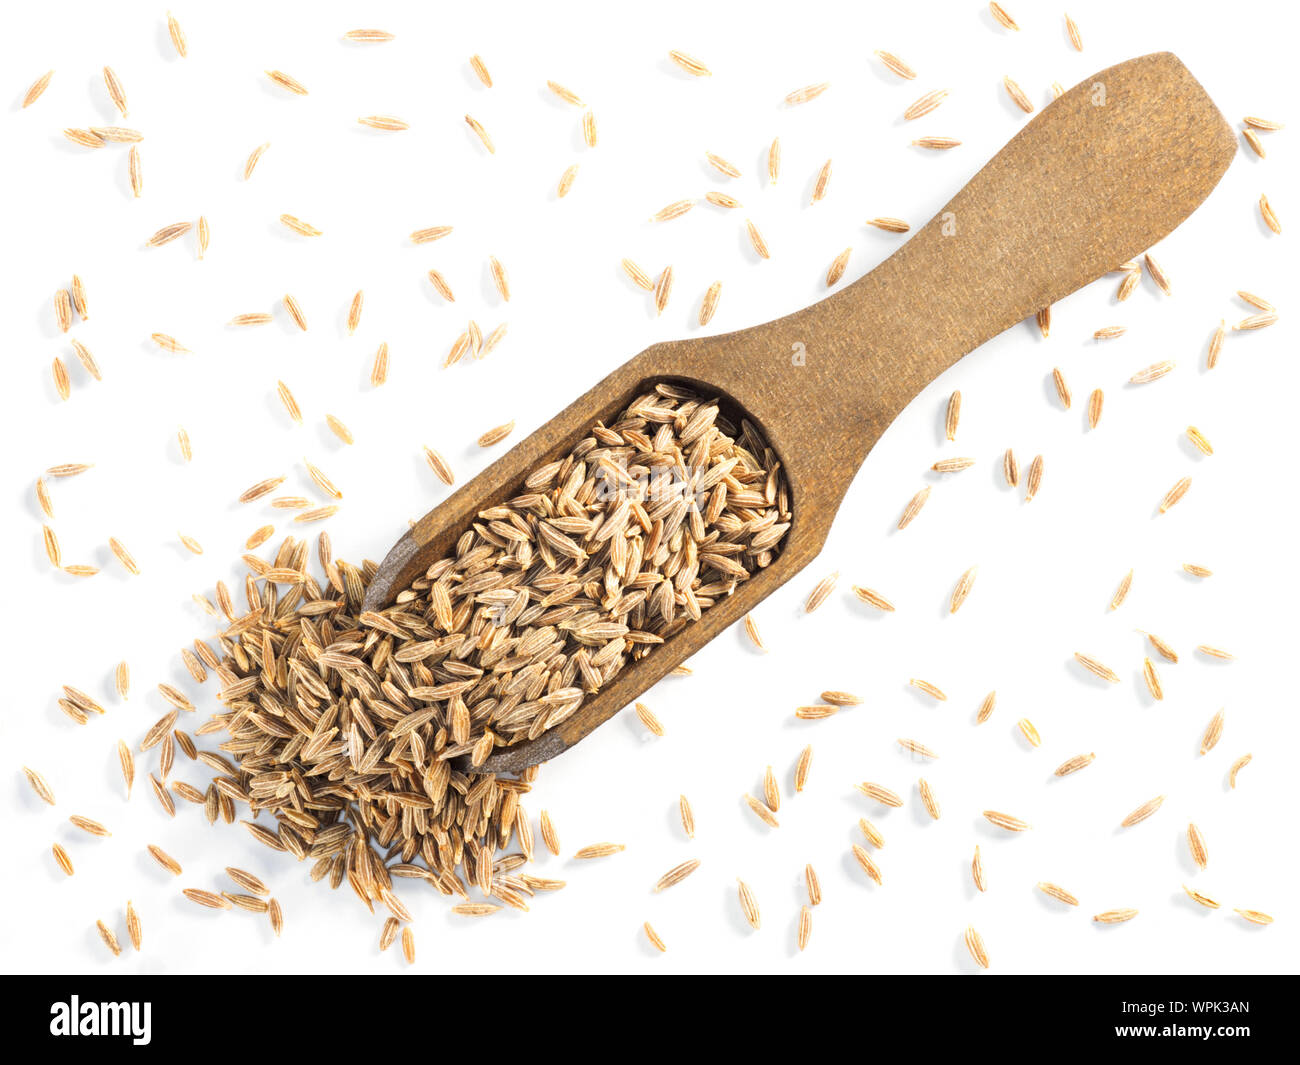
{"x":1047,"y":569}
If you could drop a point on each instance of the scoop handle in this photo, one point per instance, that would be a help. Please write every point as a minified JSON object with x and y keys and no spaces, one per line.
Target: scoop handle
{"x":1094,"y":179}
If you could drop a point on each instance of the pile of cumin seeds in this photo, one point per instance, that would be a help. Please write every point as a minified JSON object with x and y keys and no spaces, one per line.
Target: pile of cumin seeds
{"x":342,"y":723}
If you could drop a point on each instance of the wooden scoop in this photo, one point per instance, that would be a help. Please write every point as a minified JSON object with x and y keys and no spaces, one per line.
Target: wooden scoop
{"x":1096,"y":178}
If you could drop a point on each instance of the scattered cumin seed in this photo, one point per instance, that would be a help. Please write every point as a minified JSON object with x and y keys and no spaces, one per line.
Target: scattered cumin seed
{"x":889,"y":225}
{"x":589,"y":134}
{"x":106,"y":933}
{"x":1255,"y":916}
{"x":499,"y":277}
{"x":1158,"y":274}
{"x":868,"y":863}
{"x":936,"y":144}
{"x":566,"y":182}
{"x":39,"y":785}
{"x":408,"y":943}
{"x":598,"y":850}
{"x":1095,"y":403}
{"x":639,"y":277}
{"x":1057,"y":892}
{"x":748,"y":904}
{"x":871,"y":833}
{"x":1099,"y":669}
{"x":805,"y":927}
{"x":299,"y":226}
{"x":1034,"y":479}
{"x":1151,"y":373}
{"x":369,"y":36}
{"x":986,"y":708}
{"x":963,"y":588}
{"x":663,"y":289}
{"x":977,"y":871}
{"x":61,"y":857}
{"x":751,"y":630}
{"x":209,"y":899}
{"x":690,"y":64}
{"x":1006,"y":821}
{"x":1166,"y":652}
{"x":928,"y":800}
{"x":1142,"y":812}
{"x":925,"y":104}
{"x":974,"y":941}
{"x":122,"y":679}
{"x":1175,"y":493}
{"x":1114,"y":916}
{"x":168,"y":343}
{"x":654,"y":937}
{"x":253,"y":157}
{"x":260,"y":489}
{"x":1010,"y":468}
{"x":379,"y":368}
{"x":1236,"y":768}
{"x":823,"y":180}
{"x":123,"y":556}
{"x":1196,"y":845}
{"x":425,"y":236}
{"x":1073,"y":765}
{"x":290,"y":404}
{"x":564,"y":94}
{"x":687,"y":815}
{"x":276,"y":915}
{"x":808,"y":92}
{"x":802,"y":767}
{"x":1108,"y":332}
{"x":913,"y":507}
{"x":286,"y":82}
{"x":116,"y":92}
{"x":1030,"y":733}
{"x":52,"y":551}
{"x":756,"y":239}
{"x":1000,"y":13}
{"x":1197,"y":571}
{"x":37,"y":87}
{"x":647,"y":718}
{"x":1072,"y":28}
{"x":43,"y":498}
{"x":480,"y":70}
{"x":773,"y":160}
{"x":709,"y":305}
{"x":762,"y":812}
{"x":823,"y":588}
{"x":1216,"y":346}
{"x":1018,"y":96}
{"x":771,"y":791}
{"x":1152,"y":679}
{"x":677,"y":874}
{"x":928,"y":688}
{"x":815,"y":713}
{"x":94,"y":828}
{"x":879,"y":793}
{"x":1256,"y":321}
{"x":873,"y":598}
{"x":256,"y":318}
{"x":1128,"y":285}
{"x":837,"y":267}
{"x":673,"y":210}
{"x":164,"y":859}
{"x":496,"y":434}
{"x":1122,"y":591}
{"x":169,"y":233}
{"x":721,"y":165}
{"x":1265,"y":124}
{"x":1043,"y":316}
{"x":1213,"y":733}
{"x":1267,"y":213}
{"x":84,"y":137}
{"x":896,"y":65}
